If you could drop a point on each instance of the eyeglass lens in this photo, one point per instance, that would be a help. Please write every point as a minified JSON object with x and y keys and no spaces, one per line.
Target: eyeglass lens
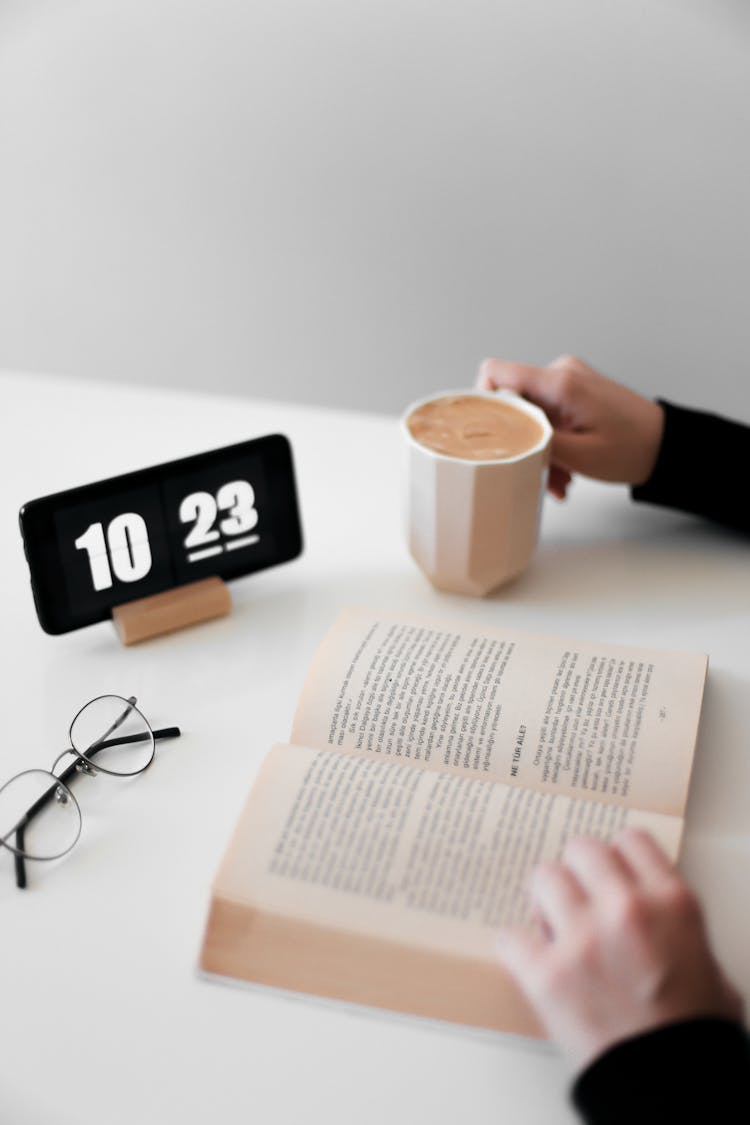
{"x":39,"y":816}
{"x":113,"y":735}
{"x":55,"y":821}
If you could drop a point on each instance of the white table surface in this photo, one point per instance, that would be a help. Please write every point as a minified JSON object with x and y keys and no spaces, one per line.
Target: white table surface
{"x":104,"y":1016}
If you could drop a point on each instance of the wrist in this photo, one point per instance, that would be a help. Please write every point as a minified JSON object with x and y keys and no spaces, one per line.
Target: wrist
{"x":651,"y":432}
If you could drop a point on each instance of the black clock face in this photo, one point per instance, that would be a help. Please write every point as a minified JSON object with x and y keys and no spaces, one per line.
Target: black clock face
{"x":218,"y":514}
{"x":226,"y":513}
{"x":114,"y":549}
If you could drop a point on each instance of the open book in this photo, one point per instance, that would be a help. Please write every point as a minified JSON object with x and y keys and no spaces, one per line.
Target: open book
{"x":432,"y":764}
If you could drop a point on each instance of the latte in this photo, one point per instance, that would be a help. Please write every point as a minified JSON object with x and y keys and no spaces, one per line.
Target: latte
{"x":474,"y":428}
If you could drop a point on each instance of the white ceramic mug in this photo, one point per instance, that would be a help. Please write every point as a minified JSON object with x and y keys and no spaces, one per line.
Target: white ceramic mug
{"x":473,"y":525}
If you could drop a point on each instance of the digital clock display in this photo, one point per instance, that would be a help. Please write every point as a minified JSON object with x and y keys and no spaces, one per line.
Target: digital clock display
{"x":228,"y":512}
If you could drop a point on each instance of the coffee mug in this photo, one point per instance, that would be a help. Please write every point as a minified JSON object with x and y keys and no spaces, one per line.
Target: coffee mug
{"x":473,"y":523}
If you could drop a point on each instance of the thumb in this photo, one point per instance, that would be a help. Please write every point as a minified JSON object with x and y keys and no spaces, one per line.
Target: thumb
{"x":519,"y":952}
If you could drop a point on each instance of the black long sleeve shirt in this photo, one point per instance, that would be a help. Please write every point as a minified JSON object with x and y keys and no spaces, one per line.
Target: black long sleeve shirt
{"x":701,"y":467}
{"x":695,"y":1071}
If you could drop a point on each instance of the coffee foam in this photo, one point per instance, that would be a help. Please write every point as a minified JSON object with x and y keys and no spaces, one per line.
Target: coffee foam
{"x":474,"y":428}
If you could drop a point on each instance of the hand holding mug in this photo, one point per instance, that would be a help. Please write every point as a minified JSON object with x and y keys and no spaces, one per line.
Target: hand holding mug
{"x":601,"y":428}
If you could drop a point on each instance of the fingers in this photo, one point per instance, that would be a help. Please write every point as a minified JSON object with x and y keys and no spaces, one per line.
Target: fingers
{"x":645,"y":858}
{"x":573,"y":397}
{"x":556,"y":895}
{"x":523,"y":378}
{"x":556,"y":388}
{"x":538,"y":384}
{"x":519,"y":952}
{"x":569,"y":362}
{"x":598,"y":867}
{"x":558,"y":481}
{"x":591,"y":872}
{"x":591,"y":869}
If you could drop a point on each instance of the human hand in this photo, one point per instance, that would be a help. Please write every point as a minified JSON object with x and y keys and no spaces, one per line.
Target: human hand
{"x":601,"y":428}
{"x":621,"y":947}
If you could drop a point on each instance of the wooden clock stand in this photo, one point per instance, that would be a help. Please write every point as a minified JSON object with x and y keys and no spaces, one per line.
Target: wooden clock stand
{"x":173,"y":609}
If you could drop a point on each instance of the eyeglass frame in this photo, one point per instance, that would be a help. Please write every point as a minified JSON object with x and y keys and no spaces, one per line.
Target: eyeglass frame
{"x":82,"y":764}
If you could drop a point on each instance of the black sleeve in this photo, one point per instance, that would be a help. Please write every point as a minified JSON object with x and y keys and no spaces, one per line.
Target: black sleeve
{"x":701,"y":467}
{"x":697,"y":1070}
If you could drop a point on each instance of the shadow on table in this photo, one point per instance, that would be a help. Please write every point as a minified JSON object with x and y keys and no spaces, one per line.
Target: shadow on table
{"x":673,"y":572}
{"x":681,"y":572}
{"x":686,"y":570}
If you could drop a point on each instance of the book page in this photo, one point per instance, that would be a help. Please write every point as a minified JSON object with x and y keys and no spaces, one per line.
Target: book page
{"x":402,"y":852}
{"x":613,"y":722}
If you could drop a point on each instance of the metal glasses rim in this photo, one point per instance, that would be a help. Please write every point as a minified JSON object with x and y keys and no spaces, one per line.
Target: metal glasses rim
{"x":82,"y":757}
{"x":131,"y":703}
{"x":61,"y":784}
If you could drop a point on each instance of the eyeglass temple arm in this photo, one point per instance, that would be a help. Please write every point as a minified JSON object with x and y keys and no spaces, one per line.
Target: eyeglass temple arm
{"x":66,"y":775}
{"x":19,"y":860}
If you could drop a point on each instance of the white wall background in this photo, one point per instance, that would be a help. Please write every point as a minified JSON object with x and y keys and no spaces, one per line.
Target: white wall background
{"x":352,"y":201}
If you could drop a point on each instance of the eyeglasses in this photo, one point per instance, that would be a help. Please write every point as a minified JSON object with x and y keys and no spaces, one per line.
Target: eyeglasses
{"x":39,"y":816}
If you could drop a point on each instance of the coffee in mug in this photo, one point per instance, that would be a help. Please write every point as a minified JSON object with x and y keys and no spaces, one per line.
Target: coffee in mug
{"x":477,"y":473}
{"x":474,"y":427}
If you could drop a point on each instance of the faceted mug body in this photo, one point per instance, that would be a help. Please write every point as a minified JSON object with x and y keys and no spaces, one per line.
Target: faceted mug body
{"x":473,"y":525}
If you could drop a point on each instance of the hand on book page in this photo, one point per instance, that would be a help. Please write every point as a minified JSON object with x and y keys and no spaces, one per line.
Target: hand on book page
{"x":621,"y":947}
